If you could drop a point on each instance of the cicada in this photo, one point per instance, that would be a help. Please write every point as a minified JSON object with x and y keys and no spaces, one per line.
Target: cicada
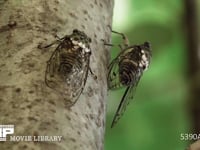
{"x":126,"y":70}
{"x":67,"y":69}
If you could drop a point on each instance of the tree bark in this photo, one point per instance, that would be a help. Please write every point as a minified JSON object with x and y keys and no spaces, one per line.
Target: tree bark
{"x":194,"y":146}
{"x":25,"y":100}
{"x":193,"y":62}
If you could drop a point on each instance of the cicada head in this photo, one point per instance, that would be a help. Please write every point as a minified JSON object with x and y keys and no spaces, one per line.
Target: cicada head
{"x":80,"y":39}
{"x":145,"y":55}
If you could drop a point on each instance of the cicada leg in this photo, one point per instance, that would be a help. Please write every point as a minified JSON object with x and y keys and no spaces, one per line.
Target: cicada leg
{"x":125,"y":39}
{"x":108,"y":44}
{"x":59,"y":40}
{"x":93,"y":75}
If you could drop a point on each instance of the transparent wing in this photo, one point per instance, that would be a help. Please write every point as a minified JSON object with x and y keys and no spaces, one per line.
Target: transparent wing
{"x":113,"y":71}
{"x":113,"y":74}
{"x":70,"y":87}
{"x":77,"y":83}
{"x":52,"y":65}
{"x":128,"y":95}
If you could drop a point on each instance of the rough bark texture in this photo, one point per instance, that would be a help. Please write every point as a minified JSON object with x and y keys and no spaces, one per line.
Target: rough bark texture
{"x":25,"y":100}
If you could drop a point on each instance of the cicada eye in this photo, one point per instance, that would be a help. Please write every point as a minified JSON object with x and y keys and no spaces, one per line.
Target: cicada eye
{"x":144,"y":67}
{"x":147,"y":44}
{"x":89,"y":52}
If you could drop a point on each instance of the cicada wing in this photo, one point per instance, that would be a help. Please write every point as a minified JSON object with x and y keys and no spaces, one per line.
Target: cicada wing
{"x":113,"y":71}
{"x":128,"y":95}
{"x":77,"y":83}
{"x":113,"y":75}
{"x":71,"y":87}
{"x":51,"y":77}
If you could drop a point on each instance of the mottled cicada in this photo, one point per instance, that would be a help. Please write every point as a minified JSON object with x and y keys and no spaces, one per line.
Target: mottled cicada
{"x":67,"y":69}
{"x":126,"y":70}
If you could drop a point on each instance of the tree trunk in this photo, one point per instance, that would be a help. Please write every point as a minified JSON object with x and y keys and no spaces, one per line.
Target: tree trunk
{"x":194,"y":62}
{"x":194,"y":146}
{"x":26,"y":102}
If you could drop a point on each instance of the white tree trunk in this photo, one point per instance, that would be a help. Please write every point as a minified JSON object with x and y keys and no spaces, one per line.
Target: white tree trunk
{"x":25,"y":100}
{"x":194,"y":146}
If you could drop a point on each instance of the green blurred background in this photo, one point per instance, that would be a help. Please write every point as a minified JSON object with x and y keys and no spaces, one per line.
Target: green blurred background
{"x":158,"y":114}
